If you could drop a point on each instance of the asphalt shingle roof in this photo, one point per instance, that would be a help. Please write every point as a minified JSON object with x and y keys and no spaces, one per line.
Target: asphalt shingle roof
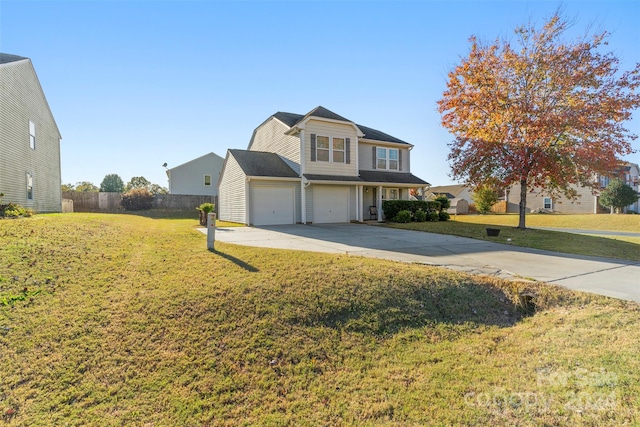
{"x":6,"y":58}
{"x":391,"y":177}
{"x":291,"y":119}
{"x":260,"y":163}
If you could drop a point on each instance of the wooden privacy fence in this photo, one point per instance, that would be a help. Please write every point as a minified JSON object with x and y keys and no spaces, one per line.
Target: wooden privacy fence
{"x":110,"y":202}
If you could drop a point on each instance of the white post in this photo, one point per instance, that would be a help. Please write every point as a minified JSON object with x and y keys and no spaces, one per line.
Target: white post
{"x":211,"y":230}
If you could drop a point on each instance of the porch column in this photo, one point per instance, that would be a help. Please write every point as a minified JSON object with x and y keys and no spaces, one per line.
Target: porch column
{"x":379,"y":204}
{"x":359,"y":205}
{"x":303,"y":201}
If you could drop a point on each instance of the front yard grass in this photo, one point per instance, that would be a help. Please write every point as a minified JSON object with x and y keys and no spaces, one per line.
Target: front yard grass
{"x":474,"y":226}
{"x":129,"y":320}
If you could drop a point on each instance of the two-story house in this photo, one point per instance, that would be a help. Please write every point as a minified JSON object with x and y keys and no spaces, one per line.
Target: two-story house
{"x":314,"y":168}
{"x":587,"y":200}
{"x":29,"y":139}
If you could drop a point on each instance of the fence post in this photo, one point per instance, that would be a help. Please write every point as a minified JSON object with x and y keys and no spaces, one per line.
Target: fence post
{"x":211,"y":230}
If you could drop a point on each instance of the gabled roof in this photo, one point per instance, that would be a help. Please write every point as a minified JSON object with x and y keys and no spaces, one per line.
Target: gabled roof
{"x":260,"y":163}
{"x":292,"y":119}
{"x":211,"y":154}
{"x":6,"y":58}
{"x":451,"y":191}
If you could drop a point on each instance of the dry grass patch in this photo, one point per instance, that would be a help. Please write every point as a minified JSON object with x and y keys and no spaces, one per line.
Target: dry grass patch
{"x":136,"y":323}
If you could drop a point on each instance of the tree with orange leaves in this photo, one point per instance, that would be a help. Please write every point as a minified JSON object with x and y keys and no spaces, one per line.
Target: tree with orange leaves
{"x":547,"y":114}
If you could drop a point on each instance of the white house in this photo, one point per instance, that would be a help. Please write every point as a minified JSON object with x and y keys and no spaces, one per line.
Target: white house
{"x":196,"y":177}
{"x":314,"y":168}
{"x":29,"y":139}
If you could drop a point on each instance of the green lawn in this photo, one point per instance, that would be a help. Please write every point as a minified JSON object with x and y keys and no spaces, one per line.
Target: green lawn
{"x":474,"y":226}
{"x":630,"y":223}
{"x":112,"y":320}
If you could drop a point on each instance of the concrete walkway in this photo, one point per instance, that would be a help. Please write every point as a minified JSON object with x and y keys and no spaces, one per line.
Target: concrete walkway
{"x":615,"y":278}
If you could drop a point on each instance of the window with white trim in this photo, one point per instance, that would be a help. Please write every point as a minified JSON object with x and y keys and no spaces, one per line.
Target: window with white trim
{"x":390,"y":194}
{"x":32,"y":135}
{"x":604,"y":181}
{"x":338,"y":149}
{"x":207,"y":180}
{"x":387,"y":158}
{"x":29,"y":186}
{"x":547,"y":203}
{"x":322,"y":148}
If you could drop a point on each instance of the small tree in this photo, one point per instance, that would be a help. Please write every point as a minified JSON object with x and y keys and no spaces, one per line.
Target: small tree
{"x":617,"y":195}
{"x":546,"y":112}
{"x":485,"y":196}
{"x":87,"y":187}
{"x":68,"y":187}
{"x":112,"y":183}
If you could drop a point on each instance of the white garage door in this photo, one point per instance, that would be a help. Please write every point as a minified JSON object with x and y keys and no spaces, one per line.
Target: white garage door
{"x":330,"y":204}
{"x":273,"y":205}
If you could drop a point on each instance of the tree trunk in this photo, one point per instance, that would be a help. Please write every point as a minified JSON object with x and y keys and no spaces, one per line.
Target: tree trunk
{"x":523,"y":203}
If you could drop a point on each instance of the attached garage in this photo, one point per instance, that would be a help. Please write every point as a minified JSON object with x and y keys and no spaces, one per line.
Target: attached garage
{"x":330,"y":204}
{"x":273,"y":205}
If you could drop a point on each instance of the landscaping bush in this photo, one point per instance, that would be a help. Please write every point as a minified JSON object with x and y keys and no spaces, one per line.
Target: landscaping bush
{"x":207,"y":207}
{"x":420,"y":216}
{"x":403,"y":217}
{"x":391,"y":208}
{"x":12,"y":210}
{"x":433,"y":216}
{"x":444,"y":201}
{"x":443,"y":216}
{"x":137,"y":199}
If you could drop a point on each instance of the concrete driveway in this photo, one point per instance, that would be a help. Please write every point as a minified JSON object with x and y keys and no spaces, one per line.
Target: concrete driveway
{"x":615,"y":278}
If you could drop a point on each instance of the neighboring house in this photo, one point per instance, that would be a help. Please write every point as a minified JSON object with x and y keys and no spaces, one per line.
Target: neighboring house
{"x":197,"y":177}
{"x":314,"y":168}
{"x":587,"y":202}
{"x":459,"y":195}
{"x":29,"y":139}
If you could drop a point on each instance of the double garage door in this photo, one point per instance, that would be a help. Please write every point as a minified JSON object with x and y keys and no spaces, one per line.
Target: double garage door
{"x":274,"y":205}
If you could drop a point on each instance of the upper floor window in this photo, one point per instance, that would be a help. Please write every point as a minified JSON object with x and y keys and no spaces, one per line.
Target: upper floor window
{"x":387,"y":158}
{"x":338,"y":150}
{"x":29,"y":186}
{"x":604,"y":181}
{"x":322,"y":148}
{"x":32,"y":135}
{"x":329,"y":149}
{"x":207,"y":180}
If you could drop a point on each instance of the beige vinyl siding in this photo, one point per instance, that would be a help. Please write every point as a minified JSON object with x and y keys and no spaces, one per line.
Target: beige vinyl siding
{"x":365,"y":155}
{"x":22,"y":100}
{"x":258,"y":184}
{"x":584,"y":204}
{"x":332,"y":130}
{"x":270,"y":136}
{"x":232,"y":192}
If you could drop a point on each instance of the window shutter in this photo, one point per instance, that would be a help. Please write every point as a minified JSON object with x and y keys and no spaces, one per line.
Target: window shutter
{"x":399,"y":159}
{"x":347,"y":151}
{"x":373,"y":162}
{"x":313,"y":147}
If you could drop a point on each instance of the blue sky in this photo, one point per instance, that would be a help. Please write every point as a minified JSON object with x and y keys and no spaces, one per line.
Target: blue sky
{"x":135,"y":84}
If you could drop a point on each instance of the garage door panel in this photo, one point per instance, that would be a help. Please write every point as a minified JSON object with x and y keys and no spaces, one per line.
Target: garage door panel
{"x":330,"y":204}
{"x":273,"y":205}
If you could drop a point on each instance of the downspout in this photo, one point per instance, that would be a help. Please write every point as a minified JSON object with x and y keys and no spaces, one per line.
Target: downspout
{"x":303,"y":181}
{"x":247,"y":202}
